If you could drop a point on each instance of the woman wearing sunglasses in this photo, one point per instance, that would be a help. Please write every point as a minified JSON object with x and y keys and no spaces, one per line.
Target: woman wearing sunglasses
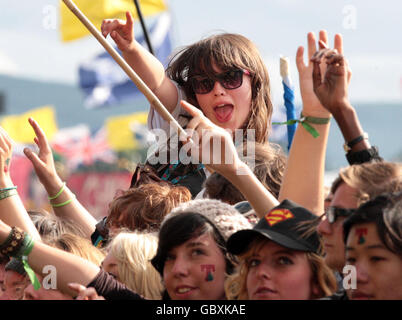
{"x":225,"y":77}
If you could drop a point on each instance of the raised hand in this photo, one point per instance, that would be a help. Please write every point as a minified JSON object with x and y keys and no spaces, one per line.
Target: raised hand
{"x":6,"y":150}
{"x":43,"y":162}
{"x":203,"y":133}
{"x":311,"y":104}
{"x":121,"y":31}
{"x":332,"y":88}
{"x":84,"y":293}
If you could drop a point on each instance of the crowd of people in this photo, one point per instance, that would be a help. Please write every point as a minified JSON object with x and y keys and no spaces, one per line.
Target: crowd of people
{"x":220,"y":229}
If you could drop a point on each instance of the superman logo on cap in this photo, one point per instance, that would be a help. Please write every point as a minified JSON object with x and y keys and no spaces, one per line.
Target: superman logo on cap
{"x":278,"y":215}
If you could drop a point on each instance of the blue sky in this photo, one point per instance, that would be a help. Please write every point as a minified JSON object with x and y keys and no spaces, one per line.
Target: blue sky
{"x":371,"y":31}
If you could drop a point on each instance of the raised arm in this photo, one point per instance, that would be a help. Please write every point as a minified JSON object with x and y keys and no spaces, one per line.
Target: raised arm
{"x":147,"y":66}
{"x":303,"y":181}
{"x":226,"y":161}
{"x":12,"y":210}
{"x":332,"y":91}
{"x":69,"y":267}
{"x":43,"y":164}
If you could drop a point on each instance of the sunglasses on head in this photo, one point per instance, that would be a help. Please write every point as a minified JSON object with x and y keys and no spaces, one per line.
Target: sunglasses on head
{"x":232,"y":79}
{"x":332,"y":213}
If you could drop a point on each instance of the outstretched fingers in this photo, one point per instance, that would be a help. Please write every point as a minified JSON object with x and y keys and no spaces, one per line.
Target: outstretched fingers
{"x":338,"y":43}
{"x":299,"y":58}
{"x":40,"y":140}
{"x":311,"y":44}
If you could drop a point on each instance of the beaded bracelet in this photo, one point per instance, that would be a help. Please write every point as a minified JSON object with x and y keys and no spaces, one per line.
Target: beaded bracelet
{"x":19,"y":245}
{"x":26,"y":247}
{"x":58,"y":193}
{"x":13,"y":243}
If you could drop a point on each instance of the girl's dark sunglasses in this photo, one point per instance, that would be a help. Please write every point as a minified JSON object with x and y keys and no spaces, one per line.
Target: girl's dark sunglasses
{"x":229,"y":80}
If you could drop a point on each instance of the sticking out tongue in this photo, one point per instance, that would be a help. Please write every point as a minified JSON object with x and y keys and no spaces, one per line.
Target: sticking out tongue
{"x":224,"y":113}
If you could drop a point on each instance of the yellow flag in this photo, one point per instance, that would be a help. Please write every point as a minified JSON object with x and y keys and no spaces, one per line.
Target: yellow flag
{"x":97,"y":10}
{"x":19,"y":129}
{"x":120,"y":135}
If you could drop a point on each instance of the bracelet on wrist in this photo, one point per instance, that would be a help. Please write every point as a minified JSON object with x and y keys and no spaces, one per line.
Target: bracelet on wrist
{"x":9,"y":188}
{"x":13,"y":243}
{"x":58,"y":205}
{"x":305,"y":121}
{"x":8,"y":193}
{"x":19,"y":245}
{"x":347,"y":146}
{"x":58,"y":193}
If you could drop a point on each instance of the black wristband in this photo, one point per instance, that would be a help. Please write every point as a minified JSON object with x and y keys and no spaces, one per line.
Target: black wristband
{"x":354,"y":141}
{"x":362,"y":156}
{"x":347,"y":146}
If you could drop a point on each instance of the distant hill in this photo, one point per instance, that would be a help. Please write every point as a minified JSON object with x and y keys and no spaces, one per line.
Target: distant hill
{"x":21,"y":95}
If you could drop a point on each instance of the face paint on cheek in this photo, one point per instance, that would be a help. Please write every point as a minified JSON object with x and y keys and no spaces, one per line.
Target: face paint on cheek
{"x":208,"y":268}
{"x":360,"y":233}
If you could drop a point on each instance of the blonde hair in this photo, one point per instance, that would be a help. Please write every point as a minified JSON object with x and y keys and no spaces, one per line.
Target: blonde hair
{"x":78,"y":246}
{"x":133,"y":251}
{"x":236,"y":284}
{"x":372,"y":179}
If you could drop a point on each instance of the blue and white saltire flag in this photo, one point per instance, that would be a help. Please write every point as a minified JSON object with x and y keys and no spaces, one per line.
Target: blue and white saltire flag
{"x":289,"y":98}
{"x":102,"y":80}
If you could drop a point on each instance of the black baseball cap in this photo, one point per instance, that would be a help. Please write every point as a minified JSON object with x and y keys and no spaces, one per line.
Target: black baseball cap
{"x":285,"y":225}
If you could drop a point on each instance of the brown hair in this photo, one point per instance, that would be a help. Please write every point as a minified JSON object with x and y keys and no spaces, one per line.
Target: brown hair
{"x":227,"y":51}
{"x":143,"y":208}
{"x":371,"y":179}
{"x":270,"y":163}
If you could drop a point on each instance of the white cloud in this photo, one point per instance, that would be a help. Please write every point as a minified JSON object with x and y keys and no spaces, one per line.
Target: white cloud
{"x":7,"y":65}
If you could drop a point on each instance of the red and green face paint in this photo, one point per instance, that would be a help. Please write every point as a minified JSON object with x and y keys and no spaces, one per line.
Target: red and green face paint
{"x":208,"y":268}
{"x":360,"y":233}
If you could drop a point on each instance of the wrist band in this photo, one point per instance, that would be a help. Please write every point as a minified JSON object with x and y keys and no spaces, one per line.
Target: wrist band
{"x":8,"y":193}
{"x":13,"y":242}
{"x":10,"y":188}
{"x":363,"y":156}
{"x":19,"y":245}
{"x":26,"y":247}
{"x":347,"y":146}
{"x":26,"y":250}
{"x":305,"y":123}
{"x":58,"y":193}
{"x":57,"y":205}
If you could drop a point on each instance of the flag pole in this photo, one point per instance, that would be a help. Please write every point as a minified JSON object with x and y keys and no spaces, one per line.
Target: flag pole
{"x":289,"y":97}
{"x":144,"y":28}
{"x":151,"y":97}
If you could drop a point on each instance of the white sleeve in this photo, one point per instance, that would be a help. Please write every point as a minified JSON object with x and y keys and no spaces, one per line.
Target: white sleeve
{"x":155,"y":120}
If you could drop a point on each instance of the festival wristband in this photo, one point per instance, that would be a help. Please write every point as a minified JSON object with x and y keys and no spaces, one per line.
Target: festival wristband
{"x":304,"y":121}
